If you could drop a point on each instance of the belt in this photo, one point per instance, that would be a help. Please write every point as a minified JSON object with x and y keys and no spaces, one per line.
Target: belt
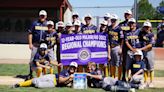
{"x":113,"y":45}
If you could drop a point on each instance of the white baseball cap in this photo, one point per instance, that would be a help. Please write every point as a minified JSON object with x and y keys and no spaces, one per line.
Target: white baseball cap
{"x":147,"y":23}
{"x":75,"y":13}
{"x":139,"y":52}
{"x":107,"y":15}
{"x":114,"y":16}
{"x":69,"y":23}
{"x":132,"y":20}
{"x":50,"y":22}
{"x":88,"y":15}
{"x":104,"y":22}
{"x":77,"y":23}
{"x":73,"y":64}
{"x":60,"y":24}
{"x":128,"y":12}
{"x":43,"y":45}
{"x":43,"y":12}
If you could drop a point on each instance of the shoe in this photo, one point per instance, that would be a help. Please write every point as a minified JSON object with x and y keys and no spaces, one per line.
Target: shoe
{"x":132,"y":90}
{"x":15,"y":86}
{"x":151,"y":85}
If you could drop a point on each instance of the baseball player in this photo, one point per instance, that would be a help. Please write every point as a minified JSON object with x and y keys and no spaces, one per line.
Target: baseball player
{"x":160,"y":37}
{"x":131,"y":41}
{"x":77,"y":27}
{"x":42,"y":61}
{"x":115,"y":36}
{"x":50,"y":38}
{"x":107,"y":17}
{"x":88,"y":28}
{"x":147,"y":42}
{"x":68,"y":28}
{"x":60,"y":30}
{"x":66,"y":76}
{"x":159,"y":25}
{"x":104,"y":27}
{"x":124,"y":26}
{"x":35,"y":35}
{"x":136,"y":72}
{"x":75,"y":16}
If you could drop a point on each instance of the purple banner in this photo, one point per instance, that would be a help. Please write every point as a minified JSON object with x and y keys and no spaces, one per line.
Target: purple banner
{"x":83,"y":48}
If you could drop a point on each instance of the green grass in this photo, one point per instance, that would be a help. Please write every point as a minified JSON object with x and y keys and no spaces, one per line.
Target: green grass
{"x":23,"y":69}
{"x":32,"y":89}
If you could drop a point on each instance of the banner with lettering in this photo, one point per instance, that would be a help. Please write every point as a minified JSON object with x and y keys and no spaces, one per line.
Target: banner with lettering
{"x":83,"y":48}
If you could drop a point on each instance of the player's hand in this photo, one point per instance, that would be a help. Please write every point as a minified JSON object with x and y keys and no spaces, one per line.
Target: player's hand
{"x":88,"y":74}
{"x":120,"y":51}
{"x":109,"y":57}
{"x":60,"y":64}
{"x":134,"y":50}
{"x":71,"y":76}
{"x":30,"y":46}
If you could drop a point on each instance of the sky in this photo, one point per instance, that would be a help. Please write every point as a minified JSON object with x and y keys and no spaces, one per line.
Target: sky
{"x":102,"y":11}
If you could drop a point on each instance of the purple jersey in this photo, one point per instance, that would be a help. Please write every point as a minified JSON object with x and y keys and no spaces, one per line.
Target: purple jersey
{"x":37,"y":29}
{"x":115,"y":35}
{"x":146,"y":38}
{"x":133,"y":38}
{"x":89,"y":29}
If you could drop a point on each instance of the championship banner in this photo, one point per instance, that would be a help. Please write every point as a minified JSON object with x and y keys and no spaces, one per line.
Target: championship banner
{"x":83,"y":48}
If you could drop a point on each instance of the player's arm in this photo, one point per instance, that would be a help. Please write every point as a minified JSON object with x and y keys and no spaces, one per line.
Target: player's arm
{"x":109,"y":57}
{"x":65,"y":80}
{"x":30,"y":40}
{"x":147,"y":47}
{"x":129,"y":74}
{"x":40,"y":65}
{"x":95,"y":76}
{"x":55,"y":63}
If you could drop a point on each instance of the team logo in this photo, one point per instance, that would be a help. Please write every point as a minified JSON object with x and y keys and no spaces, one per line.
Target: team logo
{"x":84,"y":54}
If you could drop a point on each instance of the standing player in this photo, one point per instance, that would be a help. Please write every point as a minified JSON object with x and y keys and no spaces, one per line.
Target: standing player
{"x":159,"y":25}
{"x":77,"y":27}
{"x":104,"y":27}
{"x":35,"y":35}
{"x":115,"y":36}
{"x":68,"y":28}
{"x":50,"y":38}
{"x":147,"y":42}
{"x":124,"y":26}
{"x":107,"y":18}
{"x":132,"y":41}
{"x":160,"y":37}
{"x":75,"y":16}
{"x":88,"y":28}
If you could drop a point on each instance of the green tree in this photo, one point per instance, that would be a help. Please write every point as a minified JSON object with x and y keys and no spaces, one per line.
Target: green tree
{"x":145,"y":10}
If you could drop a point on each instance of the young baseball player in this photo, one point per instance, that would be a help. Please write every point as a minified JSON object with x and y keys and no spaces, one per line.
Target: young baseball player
{"x":66,"y":76}
{"x":77,"y":27}
{"x":107,"y":17}
{"x":131,"y":41}
{"x":115,"y":37}
{"x":147,"y":42}
{"x":88,"y":28}
{"x":35,"y":35}
{"x":160,"y":37}
{"x":95,"y":76}
{"x":124,"y":27}
{"x":104,"y":27}
{"x":68,"y":28}
{"x":136,"y":72}
{"x":42,"y":61}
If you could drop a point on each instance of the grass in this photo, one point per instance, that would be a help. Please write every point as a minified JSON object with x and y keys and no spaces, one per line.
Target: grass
{"x":32,"y":89}
{"x":23,"y":69}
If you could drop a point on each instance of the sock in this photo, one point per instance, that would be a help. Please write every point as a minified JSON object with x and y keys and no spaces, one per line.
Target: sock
{"x":151,"y":76}
{"x":39,"y":71}
{"x":44,"y":71}
{"x":25,"y":83}
{"x":119,"y":72}
{"x":106,"y":71}
{"x":113,"y":70}
{"x":51,"y":70}
{"x":145,"y":76}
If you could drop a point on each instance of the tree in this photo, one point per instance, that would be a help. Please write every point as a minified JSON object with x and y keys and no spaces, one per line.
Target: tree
{"x":145,"y":10}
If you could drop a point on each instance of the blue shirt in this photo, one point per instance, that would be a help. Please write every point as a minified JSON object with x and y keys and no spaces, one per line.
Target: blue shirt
{"x":64,"y":74}
{"x":146,"y":38}
{"x":115,"y":35}
{"x":136,"y":66}
{"x":133,"y":38}
{"x":37,"y":29}
{"x":41,"y":59}
{"x":50,"y":38}
{"x":89,"y":29}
